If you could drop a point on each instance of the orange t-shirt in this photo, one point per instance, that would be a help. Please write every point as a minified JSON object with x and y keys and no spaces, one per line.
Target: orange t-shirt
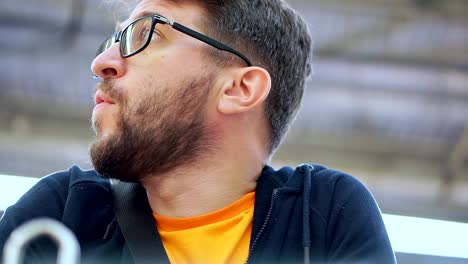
{"x":222,"y":236}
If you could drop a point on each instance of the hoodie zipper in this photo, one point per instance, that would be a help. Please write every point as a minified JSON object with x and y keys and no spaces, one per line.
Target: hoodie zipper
{"x":265,"y":223}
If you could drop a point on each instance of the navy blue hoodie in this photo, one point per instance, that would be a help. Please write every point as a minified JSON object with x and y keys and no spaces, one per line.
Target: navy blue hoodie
{"x":309,"y":213}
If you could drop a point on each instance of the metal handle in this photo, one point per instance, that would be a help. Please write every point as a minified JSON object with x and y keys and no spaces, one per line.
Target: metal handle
{"x":68,"y":246}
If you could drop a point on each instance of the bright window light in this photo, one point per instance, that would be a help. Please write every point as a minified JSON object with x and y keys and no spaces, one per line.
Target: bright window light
{"x":427,"y":236}
{"x":12,"y":188}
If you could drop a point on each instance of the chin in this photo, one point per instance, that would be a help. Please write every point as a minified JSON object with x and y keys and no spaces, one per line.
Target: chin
{"x":101,"y":129}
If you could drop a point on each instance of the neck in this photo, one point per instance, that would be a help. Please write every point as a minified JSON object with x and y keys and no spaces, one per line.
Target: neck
{"x":210,"y":184}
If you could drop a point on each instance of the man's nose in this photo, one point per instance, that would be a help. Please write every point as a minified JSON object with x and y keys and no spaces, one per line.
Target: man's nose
{"x":109,"y":64}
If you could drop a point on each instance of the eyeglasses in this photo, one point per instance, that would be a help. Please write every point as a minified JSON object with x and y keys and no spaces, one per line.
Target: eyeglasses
{"x":137,"y":36}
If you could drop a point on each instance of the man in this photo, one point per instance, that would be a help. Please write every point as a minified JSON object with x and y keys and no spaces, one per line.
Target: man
{"x":194,"y":99}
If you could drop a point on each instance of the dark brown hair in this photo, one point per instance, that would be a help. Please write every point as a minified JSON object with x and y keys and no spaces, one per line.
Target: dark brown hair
{"x":273,"y":36}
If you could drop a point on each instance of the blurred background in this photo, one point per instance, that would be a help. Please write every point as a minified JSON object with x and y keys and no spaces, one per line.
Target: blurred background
{"x":388,"y":101}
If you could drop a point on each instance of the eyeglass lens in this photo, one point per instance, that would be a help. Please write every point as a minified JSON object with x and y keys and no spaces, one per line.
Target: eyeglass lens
{"x":134,"y":38}
{"x":105,"y":45}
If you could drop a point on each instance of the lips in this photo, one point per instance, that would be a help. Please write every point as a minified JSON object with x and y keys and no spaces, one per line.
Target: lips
{"x":101,"y":98}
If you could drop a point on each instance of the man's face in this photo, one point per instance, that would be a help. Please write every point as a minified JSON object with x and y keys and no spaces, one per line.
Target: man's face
{"x":151,"y":107}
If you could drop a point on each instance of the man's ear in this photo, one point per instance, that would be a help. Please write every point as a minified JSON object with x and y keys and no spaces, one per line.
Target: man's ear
{"x":243,"y":90}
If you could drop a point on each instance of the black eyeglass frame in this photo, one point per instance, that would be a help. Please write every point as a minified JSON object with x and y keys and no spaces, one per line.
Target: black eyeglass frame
{"x":181,"y":28}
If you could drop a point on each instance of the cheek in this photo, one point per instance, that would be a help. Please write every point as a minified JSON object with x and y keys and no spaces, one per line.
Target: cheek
{"x":180,"y":60}
{"x":143,"y":105}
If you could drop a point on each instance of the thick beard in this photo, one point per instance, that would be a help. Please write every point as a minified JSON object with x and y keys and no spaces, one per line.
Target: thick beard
{"x":163,"y":133}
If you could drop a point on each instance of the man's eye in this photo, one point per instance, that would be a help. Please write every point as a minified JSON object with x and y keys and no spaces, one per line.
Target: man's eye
{"x":144,"y":34}
{"x":155,"y":35}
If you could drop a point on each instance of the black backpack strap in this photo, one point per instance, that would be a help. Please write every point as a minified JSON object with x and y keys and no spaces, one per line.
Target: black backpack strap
{"x":135,"y":218}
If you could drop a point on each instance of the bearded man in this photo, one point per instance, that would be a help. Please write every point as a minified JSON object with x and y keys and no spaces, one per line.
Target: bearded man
{"x":194,"y":98}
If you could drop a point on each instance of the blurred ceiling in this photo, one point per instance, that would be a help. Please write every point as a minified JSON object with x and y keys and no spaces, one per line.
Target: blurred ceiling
{"x":390,"y":82}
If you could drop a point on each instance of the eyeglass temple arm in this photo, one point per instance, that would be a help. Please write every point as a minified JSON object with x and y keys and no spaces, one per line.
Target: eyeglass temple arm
{"x":209,"y":41}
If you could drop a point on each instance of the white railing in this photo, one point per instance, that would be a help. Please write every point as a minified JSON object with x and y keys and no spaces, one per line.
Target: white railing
{"x":407,"y":234}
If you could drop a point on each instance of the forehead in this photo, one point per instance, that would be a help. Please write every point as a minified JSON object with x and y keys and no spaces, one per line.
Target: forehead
{"x":183,"y":12}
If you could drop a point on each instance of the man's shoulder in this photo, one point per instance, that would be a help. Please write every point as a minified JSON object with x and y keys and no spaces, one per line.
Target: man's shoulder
{"x":352,"y":215}
{"x":72,"y":197}
{"x":74,"y":176}
{"x":345,"y":220}
{"x":340,"y":182}
{"x":329,"y":189}
{"x":52,"y":193}
{"x":322,"y":178}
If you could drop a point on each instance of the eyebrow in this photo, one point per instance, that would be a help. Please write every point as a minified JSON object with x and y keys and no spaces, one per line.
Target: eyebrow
{"x":147,"y":12}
